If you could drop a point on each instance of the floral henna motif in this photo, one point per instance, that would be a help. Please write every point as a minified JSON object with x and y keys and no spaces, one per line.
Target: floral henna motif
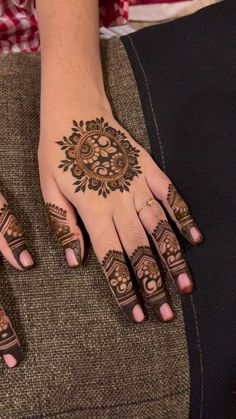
{"x":12,"y":232}
{"x":121,"y":285}
{"x":100,"y":157}
{"x":9,"y":343}
{"x":181,"y":212}
{"x":58,"y":219}
{"x":148,"y":274}
{"x":169,"y":249}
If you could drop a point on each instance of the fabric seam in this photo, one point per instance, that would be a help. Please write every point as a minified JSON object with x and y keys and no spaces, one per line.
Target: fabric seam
{"x":200,"y":356}
{"x":150,"y":101}
{"x":83,"y":409}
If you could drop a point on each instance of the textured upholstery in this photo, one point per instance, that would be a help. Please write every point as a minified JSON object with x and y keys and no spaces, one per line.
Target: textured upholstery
{"x":83,"y":359}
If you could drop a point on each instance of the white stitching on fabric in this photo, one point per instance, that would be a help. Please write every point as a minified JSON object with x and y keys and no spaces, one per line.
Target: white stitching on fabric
{"x":150,"y":100}
{"x":200,"y":354}
{"x":164,"y":166}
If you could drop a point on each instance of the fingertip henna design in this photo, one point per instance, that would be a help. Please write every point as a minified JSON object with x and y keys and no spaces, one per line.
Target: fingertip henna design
{"x":149,"y":277}
{"x":120,"y":282}
{"x":170,"y":250}
{"x":100,"y":157}
{"x":12,"y":233}
{"x":58,"y":219}
{"x":9,"y":343}
{"x":182,"y":213}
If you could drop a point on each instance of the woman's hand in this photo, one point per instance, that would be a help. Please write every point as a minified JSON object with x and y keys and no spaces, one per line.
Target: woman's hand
{"x":13,"y":248}
{"x":96,"y":168}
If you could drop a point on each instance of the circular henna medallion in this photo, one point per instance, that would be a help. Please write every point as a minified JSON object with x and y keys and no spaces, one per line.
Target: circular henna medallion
{"x":99,"y":157}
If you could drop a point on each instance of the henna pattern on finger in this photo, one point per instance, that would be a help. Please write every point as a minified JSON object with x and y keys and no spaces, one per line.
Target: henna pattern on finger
{"x":100,"y":157}
{"x":169,"y":249}
{"x":12,"y":233}
{"x":182,"y":212}
{"x":9,"y":343}
{"x":120,"y":282}
{"x":58,"y":219}
{"x":149,"y":277}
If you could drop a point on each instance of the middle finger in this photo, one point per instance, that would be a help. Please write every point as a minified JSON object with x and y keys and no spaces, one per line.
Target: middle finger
{"x":109,"y":252}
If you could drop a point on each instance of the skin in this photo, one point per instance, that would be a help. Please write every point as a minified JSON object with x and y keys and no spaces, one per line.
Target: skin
{"x":91,"y":165}
{"x":13,"y":247}
{"x":107,"y":176}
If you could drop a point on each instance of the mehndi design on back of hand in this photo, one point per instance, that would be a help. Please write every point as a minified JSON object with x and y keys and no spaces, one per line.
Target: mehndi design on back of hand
{"x":58,"y":220}
{"x":12,"y":233}
{"x":181,"y":212}
{"x":100,"y":157}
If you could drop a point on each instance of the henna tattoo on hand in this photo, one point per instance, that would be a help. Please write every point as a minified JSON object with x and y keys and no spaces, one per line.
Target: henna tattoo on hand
{"x":182,"y":212}
{"x":12,"y":233}
{"x":149,"y":277}
{"x":58,"y":219}
{"x":9,"y":343}
{"x":120,"y":282}
{"x":100,"y":157}
{"x":169,"y":249}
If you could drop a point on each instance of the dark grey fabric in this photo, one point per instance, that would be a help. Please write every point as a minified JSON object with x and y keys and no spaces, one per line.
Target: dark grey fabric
{"x":83,"y":359}
{"x":187,"y":87}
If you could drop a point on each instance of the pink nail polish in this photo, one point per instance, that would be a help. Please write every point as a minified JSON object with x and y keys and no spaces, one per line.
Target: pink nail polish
{"x":10,"y":360}
{"x":196,"y":235}
{"x":166,"y":312}
{"x":138,"y":313}
{"x":71,"y":258}
{"x":26,"y":259}
{"x":184,"y":283}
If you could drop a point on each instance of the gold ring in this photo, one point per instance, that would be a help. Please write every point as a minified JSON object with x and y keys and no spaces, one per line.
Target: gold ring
{"x":148,"y":203}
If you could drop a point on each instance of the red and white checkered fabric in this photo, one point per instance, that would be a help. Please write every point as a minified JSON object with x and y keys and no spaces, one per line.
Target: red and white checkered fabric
{"x":18,"y":26}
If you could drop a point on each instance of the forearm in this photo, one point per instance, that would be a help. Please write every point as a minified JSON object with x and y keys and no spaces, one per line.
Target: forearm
{"x":70,"y":54}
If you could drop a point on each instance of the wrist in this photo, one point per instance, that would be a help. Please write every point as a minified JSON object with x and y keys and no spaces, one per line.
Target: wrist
{"x":56,"y":118}
{"x":70,"y":100}
{"x":62,"y":90}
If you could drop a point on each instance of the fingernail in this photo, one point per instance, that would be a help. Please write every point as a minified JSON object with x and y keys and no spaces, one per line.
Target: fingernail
{"x":196,"y":235}
{"x":26,"y":259}
{"x":166,"y":312}
{"x":138,"y":313}
{"x":10,"y":360}
{"x":73,"y":257}
{"x":184,"y":283}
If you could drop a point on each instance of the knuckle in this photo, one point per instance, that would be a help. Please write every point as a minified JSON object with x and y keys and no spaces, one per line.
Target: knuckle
{"x":100,"y":234}
{"x":132,"y":232}
{"x":157,"y":213}
{"x":152,"y":216}
{"x":145,"y":155}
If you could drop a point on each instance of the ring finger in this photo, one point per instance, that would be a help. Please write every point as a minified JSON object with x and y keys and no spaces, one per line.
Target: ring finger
{"x":156,"y":224}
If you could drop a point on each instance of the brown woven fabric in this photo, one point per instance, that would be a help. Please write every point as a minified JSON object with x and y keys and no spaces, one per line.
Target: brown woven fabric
{"x":95,"y":364}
